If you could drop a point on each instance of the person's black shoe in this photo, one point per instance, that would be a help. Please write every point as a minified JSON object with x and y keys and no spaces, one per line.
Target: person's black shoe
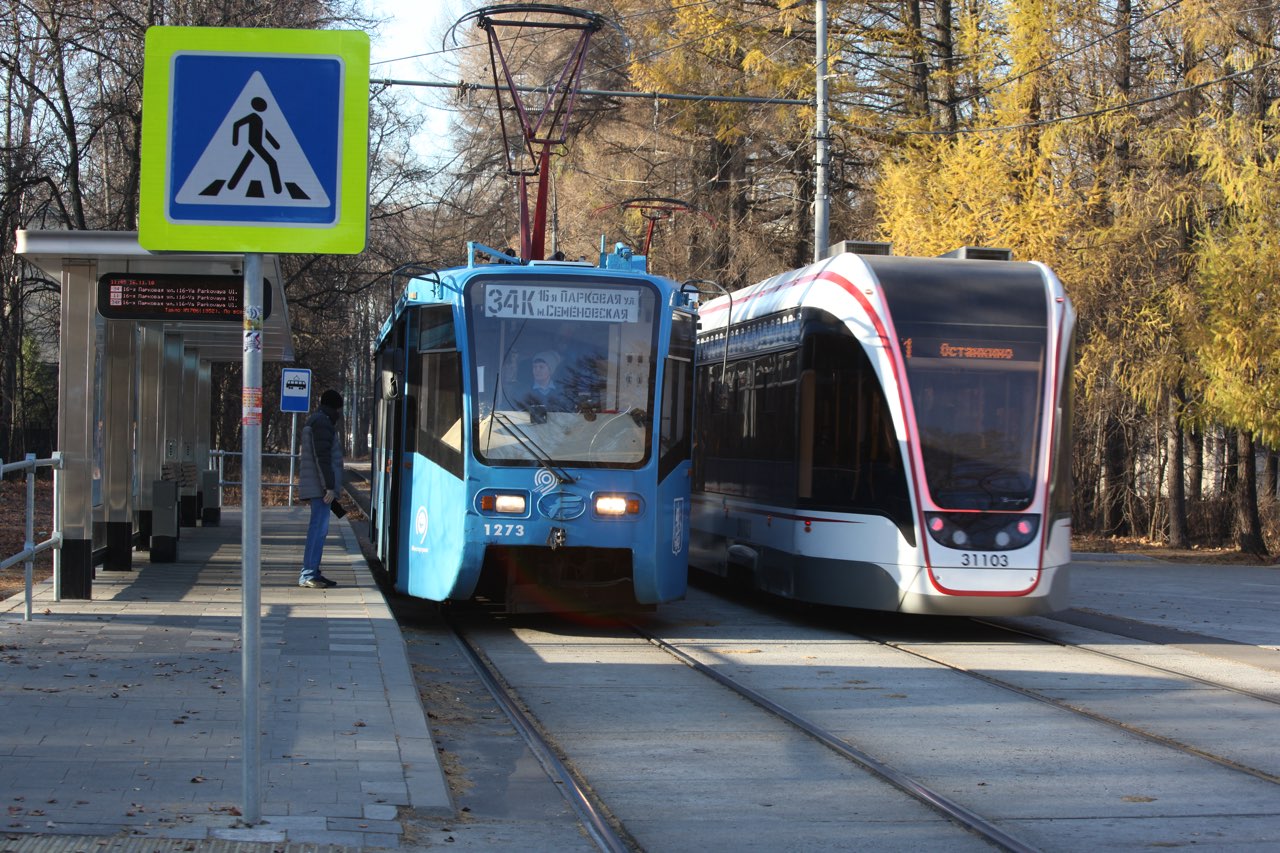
{"x":328,"y":583}
{"x":316,"y":583}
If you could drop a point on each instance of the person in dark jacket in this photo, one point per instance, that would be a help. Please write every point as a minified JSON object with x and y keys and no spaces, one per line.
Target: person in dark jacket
{"x":319,"y":481}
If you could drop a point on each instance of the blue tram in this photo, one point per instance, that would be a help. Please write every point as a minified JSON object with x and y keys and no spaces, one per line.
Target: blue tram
{"x":532,"y":435}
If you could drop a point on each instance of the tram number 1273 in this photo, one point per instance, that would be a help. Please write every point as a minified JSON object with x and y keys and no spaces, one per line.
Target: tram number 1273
{"x":504,"y":530}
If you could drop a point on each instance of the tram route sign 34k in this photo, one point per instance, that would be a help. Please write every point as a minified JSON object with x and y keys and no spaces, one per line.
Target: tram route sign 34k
{"x":255,"y":140}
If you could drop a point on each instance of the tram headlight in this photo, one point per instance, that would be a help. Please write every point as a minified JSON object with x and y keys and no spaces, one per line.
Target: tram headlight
{"x":513,"y":504}
{"x":1020,"y":531}
{"x":504,"y":503}
{"x":982,"y":531}
{"x":614,"y":506}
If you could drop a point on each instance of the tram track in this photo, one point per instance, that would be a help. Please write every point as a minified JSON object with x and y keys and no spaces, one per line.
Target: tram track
{"x":591,"y":812}
{"x":571,"y":757}
{"x":950,"y":809}
{"x":609,"y":833}
{"x":1083,"y":711}
{"x":1177,"y":673}
{"x":1153,"y":737}
{"x":908,"y":783}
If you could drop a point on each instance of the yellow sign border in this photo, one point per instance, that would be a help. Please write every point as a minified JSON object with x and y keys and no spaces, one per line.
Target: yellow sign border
{"x":347,"y":235}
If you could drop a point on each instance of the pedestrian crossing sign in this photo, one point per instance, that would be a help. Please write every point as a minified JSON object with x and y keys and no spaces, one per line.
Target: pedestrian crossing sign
{"x":255,"y":140}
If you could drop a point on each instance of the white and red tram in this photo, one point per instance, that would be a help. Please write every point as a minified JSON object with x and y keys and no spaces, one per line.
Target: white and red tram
{"x":890,"y":433}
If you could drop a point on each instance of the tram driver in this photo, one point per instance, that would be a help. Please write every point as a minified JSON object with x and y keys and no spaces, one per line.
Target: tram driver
{"x":546,"y":393}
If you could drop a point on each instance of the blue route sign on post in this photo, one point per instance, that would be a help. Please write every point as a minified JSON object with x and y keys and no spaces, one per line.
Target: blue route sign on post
{"x":295,"y":390}
{"x":255,"y":140}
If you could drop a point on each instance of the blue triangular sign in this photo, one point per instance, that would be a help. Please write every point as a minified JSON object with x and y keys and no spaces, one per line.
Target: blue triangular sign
{"x":253,"y":159}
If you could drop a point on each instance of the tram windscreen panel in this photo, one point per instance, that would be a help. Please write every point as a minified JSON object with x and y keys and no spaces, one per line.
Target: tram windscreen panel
{"x":563,"y":371}
{"x":974,"y":350}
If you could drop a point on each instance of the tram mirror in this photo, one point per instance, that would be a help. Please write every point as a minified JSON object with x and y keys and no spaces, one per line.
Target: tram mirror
{"x":388,"y":362}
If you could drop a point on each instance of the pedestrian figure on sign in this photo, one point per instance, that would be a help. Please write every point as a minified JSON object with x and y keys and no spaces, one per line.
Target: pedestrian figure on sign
{"x":254,"y":133}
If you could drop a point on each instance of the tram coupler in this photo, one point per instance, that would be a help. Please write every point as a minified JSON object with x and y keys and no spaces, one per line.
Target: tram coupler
{"x":556,"y":538}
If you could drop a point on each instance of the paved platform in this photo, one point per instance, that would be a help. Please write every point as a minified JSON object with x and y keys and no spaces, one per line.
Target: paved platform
{"x":122,"y":716}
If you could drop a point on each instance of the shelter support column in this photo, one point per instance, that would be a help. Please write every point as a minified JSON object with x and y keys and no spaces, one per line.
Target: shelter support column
{"x":166,"y":497}
{"x":204,"y":437}
{"x":150,"y":424}
{"x":77,"y":358}
{"x":118,"y":384}
{"x":188,"y":503}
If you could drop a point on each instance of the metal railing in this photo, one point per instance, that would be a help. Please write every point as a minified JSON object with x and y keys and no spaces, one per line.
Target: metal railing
{"x":220,"y":456}
{"x":30,"y":548}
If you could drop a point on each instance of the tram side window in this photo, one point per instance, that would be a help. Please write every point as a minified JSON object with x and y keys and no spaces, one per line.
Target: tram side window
{"x":439,"y":397}
{"x":1060,"y":496}
{"x":851,"y":458}
{"x":746,"y":428}
{"x":675,"y":429}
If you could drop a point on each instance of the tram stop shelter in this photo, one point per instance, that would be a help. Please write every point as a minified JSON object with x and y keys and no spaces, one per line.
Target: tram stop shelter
{"x":139,"y":332}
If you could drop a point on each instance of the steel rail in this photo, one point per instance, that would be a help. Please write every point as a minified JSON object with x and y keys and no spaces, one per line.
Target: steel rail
{"x":952,"y":810}
{"x":600,"y":830}
{"x":1096,"y":717}
{"x":1216,"y":685}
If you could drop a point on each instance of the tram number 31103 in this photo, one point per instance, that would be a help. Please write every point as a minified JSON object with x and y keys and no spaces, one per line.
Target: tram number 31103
{"x":1000,"y":561}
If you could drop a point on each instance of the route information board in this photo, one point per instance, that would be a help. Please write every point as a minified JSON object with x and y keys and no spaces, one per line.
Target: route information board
{"x":175,"y":296}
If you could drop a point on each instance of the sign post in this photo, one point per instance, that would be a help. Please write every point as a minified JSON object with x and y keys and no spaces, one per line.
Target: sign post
{"x":253,"y":141}
{"x":295,"y":397}
{"x":251,"y":540}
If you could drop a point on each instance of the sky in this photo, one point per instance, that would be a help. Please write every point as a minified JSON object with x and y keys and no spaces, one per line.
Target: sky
{"x":413,"y":28}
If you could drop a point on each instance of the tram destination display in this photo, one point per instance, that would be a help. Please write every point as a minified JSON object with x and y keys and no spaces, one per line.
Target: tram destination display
{"x":175,"y":296}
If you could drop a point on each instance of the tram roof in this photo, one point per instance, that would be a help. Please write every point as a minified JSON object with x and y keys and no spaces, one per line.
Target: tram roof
{"x":790,"y":288}
{"x":120,"y":251}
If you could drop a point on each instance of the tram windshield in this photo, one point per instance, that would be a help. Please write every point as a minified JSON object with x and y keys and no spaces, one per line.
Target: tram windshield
{"x":977,"y":397}
{"x":563,"y":371}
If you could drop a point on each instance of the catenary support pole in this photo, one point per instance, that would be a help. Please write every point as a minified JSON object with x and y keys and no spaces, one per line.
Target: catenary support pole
{"x":821,"y":191}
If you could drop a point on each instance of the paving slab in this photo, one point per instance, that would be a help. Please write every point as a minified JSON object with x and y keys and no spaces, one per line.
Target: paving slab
{"x":124,"y":714}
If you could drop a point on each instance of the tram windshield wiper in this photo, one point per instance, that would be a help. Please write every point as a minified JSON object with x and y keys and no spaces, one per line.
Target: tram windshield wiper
{"x":531,"y":447}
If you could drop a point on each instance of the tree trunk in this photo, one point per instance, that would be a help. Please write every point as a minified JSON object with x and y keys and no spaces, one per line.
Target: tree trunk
{"x":918,"y":96}
{"x":1114,"y":520}
{"x":1231,"y":468}
{"x":1175,"y":485}
{"x":1273,"y":475}
{"x":1248,"y":523}
{"x":1195,"y":473}
{"x":946,"y":49}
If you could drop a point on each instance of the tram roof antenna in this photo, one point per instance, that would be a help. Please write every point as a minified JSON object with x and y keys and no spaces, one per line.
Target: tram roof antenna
{"x":655,"y":209}
{"x":548,"y":127}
